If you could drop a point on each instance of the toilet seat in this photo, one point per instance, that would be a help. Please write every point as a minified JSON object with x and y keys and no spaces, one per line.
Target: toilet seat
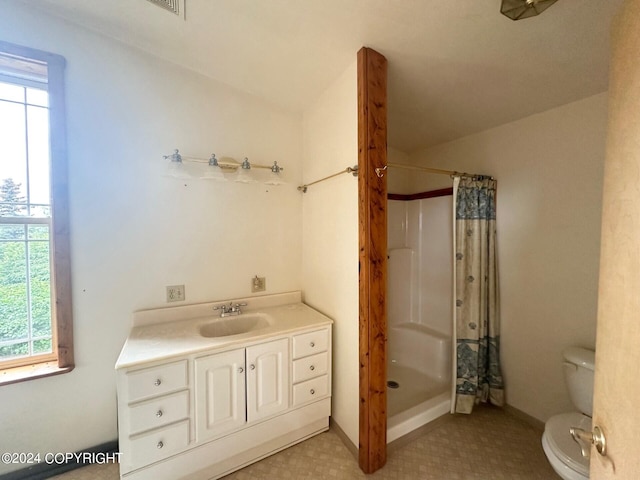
{"x":562,"y":451}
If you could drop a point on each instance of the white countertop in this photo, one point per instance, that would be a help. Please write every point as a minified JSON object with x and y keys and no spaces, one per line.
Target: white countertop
{"x":173,"y":336}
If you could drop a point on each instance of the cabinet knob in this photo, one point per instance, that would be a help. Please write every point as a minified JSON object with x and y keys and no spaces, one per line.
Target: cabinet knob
{"x":158,"y":382}
{"x":159,"y":413}
{"x":160,"y":444}
{"x":241,"y":370}
{"x":312,"y":344}
{"x":312,"y":391}
{"x":312,"y":368}
{"x":252,"y":366}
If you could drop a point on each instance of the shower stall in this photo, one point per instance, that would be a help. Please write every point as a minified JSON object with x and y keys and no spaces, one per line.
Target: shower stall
{"x":420,"y":303}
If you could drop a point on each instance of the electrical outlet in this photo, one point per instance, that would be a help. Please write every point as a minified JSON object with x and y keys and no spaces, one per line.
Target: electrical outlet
{"x":258,"y":284}
{"x":175,"y":293}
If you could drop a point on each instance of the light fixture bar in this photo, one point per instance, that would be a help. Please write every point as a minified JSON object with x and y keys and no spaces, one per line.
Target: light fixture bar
{"x":216,"y":168}
{"x":176,"y":156}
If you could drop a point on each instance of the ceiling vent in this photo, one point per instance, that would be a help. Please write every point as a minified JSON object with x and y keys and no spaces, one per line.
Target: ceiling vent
{"x":171,"y":5}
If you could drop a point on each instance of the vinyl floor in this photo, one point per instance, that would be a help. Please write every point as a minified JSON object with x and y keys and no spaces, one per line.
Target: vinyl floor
{"x":490,"y":444}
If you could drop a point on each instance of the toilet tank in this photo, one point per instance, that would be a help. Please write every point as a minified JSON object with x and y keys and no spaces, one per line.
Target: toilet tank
{"x":579,"y":365}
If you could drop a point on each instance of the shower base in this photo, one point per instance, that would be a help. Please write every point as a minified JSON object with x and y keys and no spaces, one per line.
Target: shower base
{"x":418,"y":400}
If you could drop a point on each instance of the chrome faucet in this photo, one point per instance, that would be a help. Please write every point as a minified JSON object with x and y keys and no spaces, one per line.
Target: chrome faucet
{"x":230,"y":310}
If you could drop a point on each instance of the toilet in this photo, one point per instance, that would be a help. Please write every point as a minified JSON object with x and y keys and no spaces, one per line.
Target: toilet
{"x":562,"y":451}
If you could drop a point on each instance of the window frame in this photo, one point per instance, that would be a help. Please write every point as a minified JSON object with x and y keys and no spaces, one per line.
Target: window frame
{"x":39,"y":366}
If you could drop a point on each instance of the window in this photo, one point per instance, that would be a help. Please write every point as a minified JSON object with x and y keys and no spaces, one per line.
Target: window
{"x":35,"y":281}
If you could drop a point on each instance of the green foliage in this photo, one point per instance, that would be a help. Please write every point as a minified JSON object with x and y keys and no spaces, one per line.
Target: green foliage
{"x":14,"y":303}
{"x":11,"y":199}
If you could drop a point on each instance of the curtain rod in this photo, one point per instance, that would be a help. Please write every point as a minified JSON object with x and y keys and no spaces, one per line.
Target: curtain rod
{"x":451,"y":173}
{"x":353,"y":170}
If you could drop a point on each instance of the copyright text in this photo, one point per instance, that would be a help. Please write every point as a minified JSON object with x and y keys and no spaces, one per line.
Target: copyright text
{"x":59,"y":458}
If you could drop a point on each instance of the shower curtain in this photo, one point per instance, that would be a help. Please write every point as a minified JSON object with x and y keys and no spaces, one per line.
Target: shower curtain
{"x":476,"y":311}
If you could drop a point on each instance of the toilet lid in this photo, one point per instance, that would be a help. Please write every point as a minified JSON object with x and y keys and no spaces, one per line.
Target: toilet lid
{"x":563,"y":445}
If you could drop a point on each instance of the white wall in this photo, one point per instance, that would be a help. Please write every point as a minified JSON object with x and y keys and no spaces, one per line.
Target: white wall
{"x":134,"y":231}
{"x":397,"y":179}
{"x":549,"y":169}
{"x":330,"y":234}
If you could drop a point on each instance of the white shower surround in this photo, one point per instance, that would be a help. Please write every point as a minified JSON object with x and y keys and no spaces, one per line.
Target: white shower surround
{"x":419,"y":308}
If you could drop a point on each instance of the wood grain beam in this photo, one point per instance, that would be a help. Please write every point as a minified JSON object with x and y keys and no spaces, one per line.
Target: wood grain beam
{"x":372,"y":219}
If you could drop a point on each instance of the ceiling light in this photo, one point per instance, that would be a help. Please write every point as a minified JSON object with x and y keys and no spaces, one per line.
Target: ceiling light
{"x":519,"y":9}
{"x":171,"y":5}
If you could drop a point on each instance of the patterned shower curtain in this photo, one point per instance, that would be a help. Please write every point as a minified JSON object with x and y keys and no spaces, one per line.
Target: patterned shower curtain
{"x":476,"y":311}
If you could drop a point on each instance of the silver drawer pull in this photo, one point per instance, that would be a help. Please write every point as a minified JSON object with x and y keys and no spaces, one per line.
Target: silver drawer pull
{"x":312,"y":368}
{"x":160,"y":444}
{"x":158,"y":382}
{"x":312,"y":344}
{"x":241,"y":370}
{"x":252,"y":366}
{"x":312,"y":391}
{"x":159,"y":413}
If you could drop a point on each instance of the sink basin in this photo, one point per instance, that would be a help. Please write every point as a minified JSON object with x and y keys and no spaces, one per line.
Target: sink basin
{"x":224,"y":327}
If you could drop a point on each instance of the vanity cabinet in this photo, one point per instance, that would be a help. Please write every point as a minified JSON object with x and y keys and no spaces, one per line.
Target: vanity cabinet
{"x":310,"y":366}
{"x":220,"y":394}
{"x":267,"y":379}
{"x":211,"y":411}
{"x":241,"y":386}
{"x":157,"y":415}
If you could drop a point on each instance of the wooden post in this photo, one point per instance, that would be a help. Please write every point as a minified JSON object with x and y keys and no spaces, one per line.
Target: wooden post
{"x":372,"y":193}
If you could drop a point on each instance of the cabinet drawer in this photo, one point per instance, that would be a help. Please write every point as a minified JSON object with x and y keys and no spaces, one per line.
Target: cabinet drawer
{"x":156,"y":380}
{"x":159,"y":444}
{"x":310,"y":390}
{"x":309,"y":343}
{"x":310,"y":367}
{"x":158,"y":412}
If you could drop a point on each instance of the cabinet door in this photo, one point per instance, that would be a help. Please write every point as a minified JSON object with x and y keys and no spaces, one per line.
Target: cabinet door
{"x":267,"y":379}
{"x":220,"y":393}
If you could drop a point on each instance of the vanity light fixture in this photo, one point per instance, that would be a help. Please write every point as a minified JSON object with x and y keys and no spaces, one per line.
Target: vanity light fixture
{"x":215,"y":169}
{"x":243,"y":175}
{"x":175,"y":168}
{"x":520,"y":9}
{"x":274,"y":175}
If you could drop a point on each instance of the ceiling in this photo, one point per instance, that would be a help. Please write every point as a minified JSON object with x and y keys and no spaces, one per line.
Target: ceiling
{"x":456,"y":67}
